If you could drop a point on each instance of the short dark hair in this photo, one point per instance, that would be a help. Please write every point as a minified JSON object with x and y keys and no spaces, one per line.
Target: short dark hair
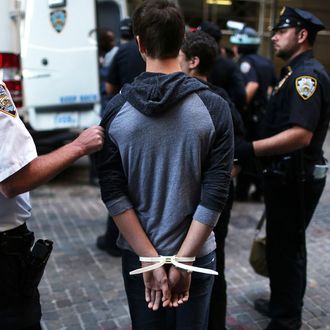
{"x":202,"y":45}
{"x":160,"y":27}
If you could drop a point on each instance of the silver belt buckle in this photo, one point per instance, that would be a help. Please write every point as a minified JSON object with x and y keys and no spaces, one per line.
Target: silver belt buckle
{"x":320,"y":171}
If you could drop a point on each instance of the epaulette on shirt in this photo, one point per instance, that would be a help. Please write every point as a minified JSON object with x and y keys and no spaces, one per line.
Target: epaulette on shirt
{"x":6,"y":104}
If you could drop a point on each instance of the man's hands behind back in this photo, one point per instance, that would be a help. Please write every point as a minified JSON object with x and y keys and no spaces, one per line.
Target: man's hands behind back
{"x":169,"y":289}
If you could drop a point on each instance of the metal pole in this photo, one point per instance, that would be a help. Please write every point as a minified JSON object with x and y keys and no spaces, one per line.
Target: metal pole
{"x":261,"y":23}
{"x":205,"y":11}
{"x":273,"y":13}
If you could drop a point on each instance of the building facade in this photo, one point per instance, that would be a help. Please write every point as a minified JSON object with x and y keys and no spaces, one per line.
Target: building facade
{"x":259,"y":14}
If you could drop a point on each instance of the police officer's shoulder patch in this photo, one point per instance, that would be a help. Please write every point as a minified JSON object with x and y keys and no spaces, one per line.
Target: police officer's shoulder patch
{"x":245,"y":67}
{"x":6,"y":104}
{"x":306,"y":86}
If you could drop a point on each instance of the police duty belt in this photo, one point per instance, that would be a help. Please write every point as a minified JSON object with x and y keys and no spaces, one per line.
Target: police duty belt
{"x":175,"y":261}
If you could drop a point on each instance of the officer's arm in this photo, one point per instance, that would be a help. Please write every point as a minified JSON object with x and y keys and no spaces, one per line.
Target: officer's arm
{"x":45,"y":167}
{"x":251,"y":89}
{"x":287,"y":141}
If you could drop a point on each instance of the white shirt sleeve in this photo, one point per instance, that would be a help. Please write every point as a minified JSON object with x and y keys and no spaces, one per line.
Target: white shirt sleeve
{"x":17,"y":148}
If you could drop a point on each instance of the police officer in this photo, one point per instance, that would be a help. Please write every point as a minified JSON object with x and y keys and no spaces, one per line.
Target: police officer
{"x":296,"y":124}
{"x":259,"y":78}
{"x":127,"y":63}
{"x":225,"y":73}
{"x":20,"y":171}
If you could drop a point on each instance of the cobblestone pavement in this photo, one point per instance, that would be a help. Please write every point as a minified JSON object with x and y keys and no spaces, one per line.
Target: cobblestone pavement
{"x":83,"y":288}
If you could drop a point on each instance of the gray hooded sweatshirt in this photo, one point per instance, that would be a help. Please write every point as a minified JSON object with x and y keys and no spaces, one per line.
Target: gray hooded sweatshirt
{"x":168,"y":154}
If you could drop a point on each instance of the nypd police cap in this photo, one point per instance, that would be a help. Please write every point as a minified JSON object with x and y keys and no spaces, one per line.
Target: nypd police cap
{"x":126,"y":28}
{"x":246,"y":36}
{"x":294,"y":17}
{"x":126,"y":24}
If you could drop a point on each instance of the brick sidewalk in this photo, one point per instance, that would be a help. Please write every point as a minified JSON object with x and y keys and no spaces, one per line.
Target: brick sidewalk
{"x":83,"y":288}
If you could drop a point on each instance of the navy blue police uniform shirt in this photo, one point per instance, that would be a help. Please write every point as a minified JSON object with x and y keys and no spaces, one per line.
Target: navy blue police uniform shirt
{"x":126,"y":65}
{"x":256,"y":68}
{"x":226,"y":74}
{"x":301,"y":98}
{"x":238,"y":125}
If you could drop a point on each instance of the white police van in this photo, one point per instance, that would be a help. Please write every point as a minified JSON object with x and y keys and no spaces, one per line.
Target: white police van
{"x":49,"y":61}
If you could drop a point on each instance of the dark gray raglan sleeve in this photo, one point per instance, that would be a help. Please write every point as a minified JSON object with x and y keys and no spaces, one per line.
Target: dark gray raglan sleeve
{"x":113,"y":182}
{"x":219,"y":162}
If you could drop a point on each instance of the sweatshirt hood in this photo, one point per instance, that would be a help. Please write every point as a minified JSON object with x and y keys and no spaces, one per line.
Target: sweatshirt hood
{"x":154,"y":93}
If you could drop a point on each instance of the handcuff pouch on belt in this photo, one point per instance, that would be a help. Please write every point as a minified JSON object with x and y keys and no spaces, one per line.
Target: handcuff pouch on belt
{"x":36,"y":265}
{"x":33,"y":260}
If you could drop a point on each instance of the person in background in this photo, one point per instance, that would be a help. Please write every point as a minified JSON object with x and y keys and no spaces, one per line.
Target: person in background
{"x":107,"y":52}
{"x":164,"y":177}
{"x":126,"y":65}
{"x":259,"y":78}
{"x":225,"y":73}
{"x":22,"y":170}
{"x":197,"y":56}
{"x":296,"y":123}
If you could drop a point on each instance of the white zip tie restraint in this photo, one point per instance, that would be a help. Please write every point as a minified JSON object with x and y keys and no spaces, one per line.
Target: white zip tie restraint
{"x":174,"y":260}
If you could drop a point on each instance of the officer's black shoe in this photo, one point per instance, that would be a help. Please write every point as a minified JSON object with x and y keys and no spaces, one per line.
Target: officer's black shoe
{"x":102,"y":244}
{"x":262,"y":306}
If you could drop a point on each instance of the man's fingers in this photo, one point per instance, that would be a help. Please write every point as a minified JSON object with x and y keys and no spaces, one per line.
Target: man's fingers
{"x":185,"y":297}
{"x":152,"y":299}
{"x":156,"y":289}
{"x":167,"y":303}
{"x":158,"y":295}
{"x":180,"y":299}
{"x":147,"y":294}
{"x":166,"y":292}
{"x":175,"y":300}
